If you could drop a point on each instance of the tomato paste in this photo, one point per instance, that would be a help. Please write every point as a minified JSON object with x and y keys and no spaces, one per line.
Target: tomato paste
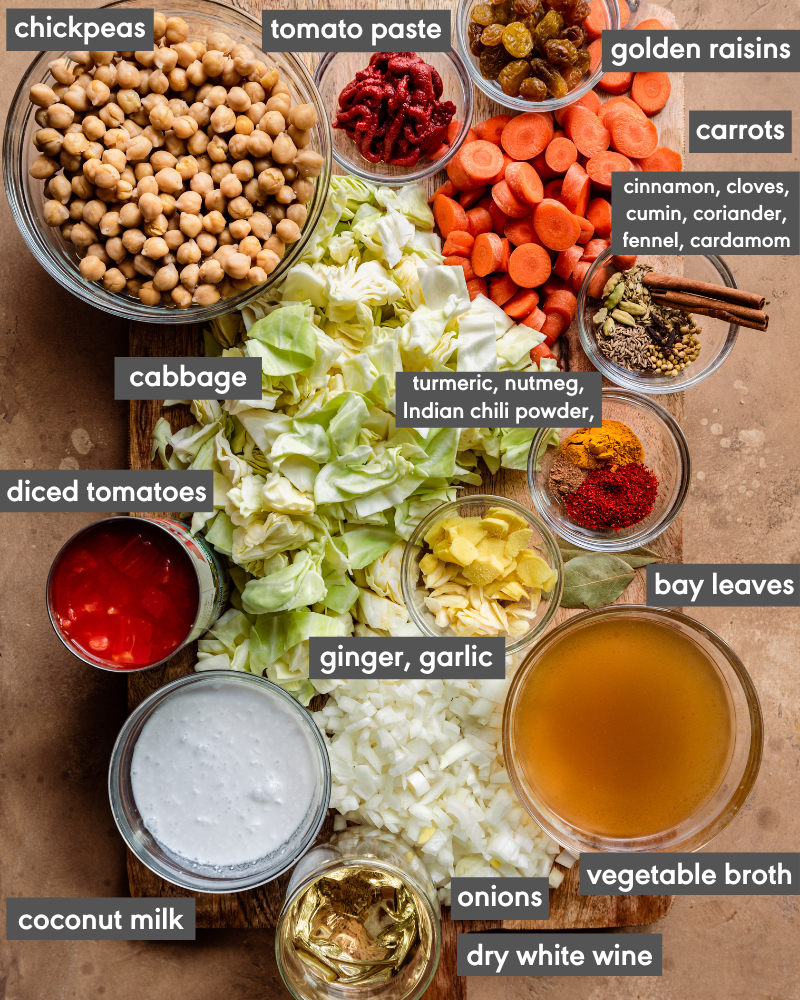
{"x":124,"y":594}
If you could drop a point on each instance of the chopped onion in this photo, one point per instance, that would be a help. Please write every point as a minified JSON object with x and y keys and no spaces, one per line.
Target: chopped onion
{"x":566,"y":859}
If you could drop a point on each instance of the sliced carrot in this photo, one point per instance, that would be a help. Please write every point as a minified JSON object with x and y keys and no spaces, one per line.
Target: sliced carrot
{"x":560,"y":155}
{"x":520,"y":231}
{"x":458,"y":241}
{"x":598,"y":281}
{"x":595,"y":50}
{"x":529,"y":265}
{"x":502,"y":289}
{"x":580,"y":272}
{"x":454,"y":128}
{"x":474,"y":165}
{"x":600,"y":167}
{"x":449,"y":215}
{"x":593,"y":249}
{"x":539,"y":164}
{"x":502,"y":171}
{"x":566,"y":261}
{"x":587,"y":231}
{"x":524,"y":183}
{"x":536,"y":319}
{"x":542,"y":351}
{"x":651,"y":91}
{"x":615,"y":83}
{"x":599,"y":214}
{"x":575,"y":190}
{"x":563,"y":302}
{"x":499,"y":218}
{"x":589,"y":100}
{"x":448,"y":188}
{"x":662,"y":158}
{"x":555,"y":225}
{"x":527,"y":135}
{"x":552,"y":189}
{"x":596,"y":21}
{"x":624,"y":260}
{"x":586,"y":130}
{"x":523,"y":303}
{"x":479,"y":221}
{"x":468,"y":199}
{"x":463,"y":262}
{"x":477,"y":287}
{"x":491,"y":129}
{"x":554,"y":284}
{"x":615,"y":102}
{"x":486,"y":254}
{"x":507,"y":202}
{"x":505,"y":253}
{"x":651,"y":24}
{"x":635,"y":137}
{"x":552,"y":328}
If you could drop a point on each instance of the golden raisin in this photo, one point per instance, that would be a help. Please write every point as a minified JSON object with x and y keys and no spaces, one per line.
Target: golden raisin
{"x":517,"y":40}
{"x":512,"y":75}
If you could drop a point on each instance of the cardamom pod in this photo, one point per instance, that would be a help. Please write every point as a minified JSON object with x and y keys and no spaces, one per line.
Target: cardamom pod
{"x":609,"y":329}
{"x":599,"y":316}
{"x":633,"y":307}
{"x":611,"y":283}
{"x":622,"y":317}
{"x":616,"y":295}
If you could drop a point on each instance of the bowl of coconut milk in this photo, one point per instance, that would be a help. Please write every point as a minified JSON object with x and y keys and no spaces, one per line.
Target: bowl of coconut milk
{"x":219,"y":781}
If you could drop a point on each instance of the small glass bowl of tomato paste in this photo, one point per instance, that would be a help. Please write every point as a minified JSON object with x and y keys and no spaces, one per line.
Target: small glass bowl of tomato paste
{"x":126,"y":593}
{"x":336,"y":70}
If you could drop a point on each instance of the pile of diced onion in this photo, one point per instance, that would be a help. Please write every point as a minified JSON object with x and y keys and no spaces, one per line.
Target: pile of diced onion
{"x":423,"y":759}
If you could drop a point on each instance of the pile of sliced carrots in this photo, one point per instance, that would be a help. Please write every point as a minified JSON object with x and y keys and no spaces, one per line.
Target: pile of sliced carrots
{"x":525,"y":209}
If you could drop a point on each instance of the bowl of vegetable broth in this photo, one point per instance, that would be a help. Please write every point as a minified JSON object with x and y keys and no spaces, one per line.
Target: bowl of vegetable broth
{"x":632,"y":729}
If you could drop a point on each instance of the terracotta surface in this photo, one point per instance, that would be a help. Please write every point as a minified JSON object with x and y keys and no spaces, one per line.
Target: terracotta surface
{"x":59,"y":718}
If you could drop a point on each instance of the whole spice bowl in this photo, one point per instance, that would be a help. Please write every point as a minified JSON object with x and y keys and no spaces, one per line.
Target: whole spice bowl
{"x":337,"y":71}
{"x":619,"y":358}
{"x":584,"y":501}
{"x":107,"y":262}
{"x":662,"y":742}
{"x":482,"y":565}
{"x":361,"y":919}
{"x":219,"y":781}
{"x":604,"y":12}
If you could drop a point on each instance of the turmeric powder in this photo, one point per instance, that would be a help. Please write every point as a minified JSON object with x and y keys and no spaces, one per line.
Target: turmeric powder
{"x":600,"y":447}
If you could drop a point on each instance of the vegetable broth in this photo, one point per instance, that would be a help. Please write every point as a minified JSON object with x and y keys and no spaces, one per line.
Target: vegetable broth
{"x":623,"y":728}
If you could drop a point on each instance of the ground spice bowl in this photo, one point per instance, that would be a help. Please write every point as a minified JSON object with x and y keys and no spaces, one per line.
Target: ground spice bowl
{"x":666,"y":454}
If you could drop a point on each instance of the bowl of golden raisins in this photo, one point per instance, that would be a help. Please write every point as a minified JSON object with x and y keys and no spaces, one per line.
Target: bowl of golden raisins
{"x":534,"y":54}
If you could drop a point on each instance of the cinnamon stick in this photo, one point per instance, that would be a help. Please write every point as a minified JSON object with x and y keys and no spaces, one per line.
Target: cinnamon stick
{"x":683,"y":300}
{"x":718,"y":312}
{"x":680,"y":284}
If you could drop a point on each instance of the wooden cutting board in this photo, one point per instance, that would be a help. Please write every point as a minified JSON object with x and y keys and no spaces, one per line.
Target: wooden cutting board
{"x":259,"y":908}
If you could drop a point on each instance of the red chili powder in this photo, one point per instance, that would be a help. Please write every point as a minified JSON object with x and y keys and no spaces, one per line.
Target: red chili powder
{"x":613,"y":498}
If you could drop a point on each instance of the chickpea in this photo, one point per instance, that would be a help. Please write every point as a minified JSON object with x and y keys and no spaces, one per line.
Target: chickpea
{"x":243,"y":125}
{"x":71,"y":164}
{"x":281,"y":89}
{"x":260,"y":225}
{"x":222,"y":119}
{"x":202,"y":183}
{"x":81,"y":187}
{"x":190,"y":225}
{"x":59,"y":189}
{"x":98,"y":250}
{"x":98,"y":93}
{"x":287,"y":231}
{"x":76,"y":99}
{"x":54,"y":213}
{"x":204,"y":163}
{"x":116,"y":249}
{"x":166,"y":278}
{"x":229,"y":76}
{"x":200,"y":113}
{"x":159,"y":25}
{"x":83,"y":235}
{"x":42,"y":96}
{"x":113,"y":280}
{"x":230,"y":186}
{"x":133,"y":285}
{"x":211,"y":271}
{"x":143,"y":265}
{"x":139,"y":148}
{"x":129,"y":76}
{"x":130,"y":217}
{"x":238,"y":100}
{"x":178,"y":80}
{"x":289,"y":173}
{"x":148,"y":185}
{"x":196,"y":74}
{"x":297,"y":213}
{"x":212,"y":63}
{"x":269,"y":79}
{"x":255,"y":92}
{"x":276,"y":245}
{"x":66,"y":230}
{"x":190,"y":201}
{"x":285,"y":196}
{"x":303,"y":116}
{"x":188,"y":253}
{"x":44,"y":167}
{"x":169,"y":180}
{"x":161,"y":117}
{"x":243,"y":169}
{"x":275,"y":212}
{"x":259,"y":143}
{"x":236,"y":265}
{"x":198,"y":144}
{"x":133,"y":240}
{"x":205,"y":295}
{"x":218,"y":149}
{"x":177,"y":30}
{"x":116,"y":138}
{"x":303,"y":189}
{"x":109,"y":224}
{"x":59,"y":69}
{"x":215,"y":201}
{"x":240,"y":208}
{"x":281,"y":103}
{"x":75,"y":143}
{"x":149,"y":294}
{"x":154,"y":136}
{"x":214,"y":222}
{"x":253,"y":193}
{"x":283,"y":149}
{"x":267,"y":260}
{"x":207,"y":242}
{"x":155,"y":248}
{"x":256,"y":111}
{"x":40,"y":117}
{"x":181,"y":296}
{"x":273,"y":123}
{"x":226,"y":242}
{"x":158,"y":82}
{"x":150,"y":206}
{"x":60,"y":116}
{"x":270,"y":181}
{"x":190,"y":276}
{"x":157,"y":226}
{"x":251,"y":246}
{"x":116,"y":158}
{"x":165,"y":59}
{"x":308,"y":163}
{"x":112,"y":115}
{"x":92,"y":268}
{"x":237,"y":147}
{"x":174,"y":238}
{"x":256,"y":276}
{"x":300,"y":139}
{"x":262,"y":163}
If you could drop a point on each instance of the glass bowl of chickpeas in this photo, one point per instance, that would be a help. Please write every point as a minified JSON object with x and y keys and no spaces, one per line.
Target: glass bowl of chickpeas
{"x":534,"y":55}
{"x":183,"y":179}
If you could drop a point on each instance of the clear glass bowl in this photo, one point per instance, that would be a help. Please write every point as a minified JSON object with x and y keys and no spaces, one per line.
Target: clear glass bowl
{"x":337,"y":69}
{"x":745,"y":759}
{"x":610,"y":10}
{"x":717,"y":338}
{"x":666,"y":454}
{"x":376,"y":850}
{"x":542,"y":542}
{"x":178,"y":870}
{"x":26,"y":195}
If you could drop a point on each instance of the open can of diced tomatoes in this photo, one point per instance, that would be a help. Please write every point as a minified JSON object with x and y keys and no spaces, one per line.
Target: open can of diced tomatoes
{"x":126,"y":593}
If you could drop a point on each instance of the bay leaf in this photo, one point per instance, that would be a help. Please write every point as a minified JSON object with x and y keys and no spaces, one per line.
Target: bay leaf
{"x":592,"y":580}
